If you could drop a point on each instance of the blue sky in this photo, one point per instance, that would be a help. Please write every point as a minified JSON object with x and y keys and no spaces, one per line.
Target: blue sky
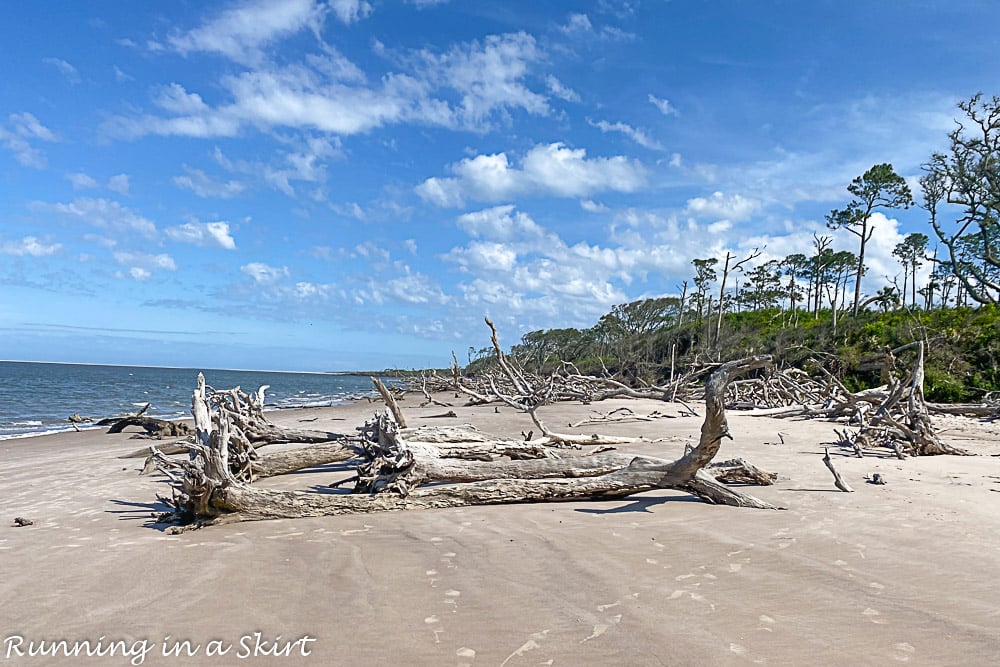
{"x":310,"y":185}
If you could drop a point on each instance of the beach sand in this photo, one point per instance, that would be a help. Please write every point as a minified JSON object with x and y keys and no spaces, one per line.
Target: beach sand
{"x":906,"y":573}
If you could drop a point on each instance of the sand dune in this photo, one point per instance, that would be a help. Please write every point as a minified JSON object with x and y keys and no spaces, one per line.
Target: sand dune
{"x":906,"y":573}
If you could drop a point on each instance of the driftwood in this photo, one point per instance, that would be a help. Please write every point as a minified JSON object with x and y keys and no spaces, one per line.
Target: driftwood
{"x":206,"y":490}
{"x":154,"y":428}
{"x":837,"y":479}
{"x":895,"y":416}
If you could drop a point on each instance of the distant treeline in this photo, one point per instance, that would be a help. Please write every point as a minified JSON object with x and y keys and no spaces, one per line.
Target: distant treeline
{"x":646,"y":340}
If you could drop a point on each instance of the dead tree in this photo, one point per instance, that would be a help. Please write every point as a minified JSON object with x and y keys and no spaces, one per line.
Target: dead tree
{"x":395,"y":474}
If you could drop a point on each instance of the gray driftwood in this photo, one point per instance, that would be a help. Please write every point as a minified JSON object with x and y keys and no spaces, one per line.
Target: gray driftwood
{"x":206,"y":490}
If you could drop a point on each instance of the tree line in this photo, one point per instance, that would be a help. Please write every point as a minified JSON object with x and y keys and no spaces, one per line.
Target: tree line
{"x":959,"y":191}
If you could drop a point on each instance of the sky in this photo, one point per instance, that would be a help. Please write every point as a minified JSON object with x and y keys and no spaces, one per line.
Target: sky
{"x":355,"y":184}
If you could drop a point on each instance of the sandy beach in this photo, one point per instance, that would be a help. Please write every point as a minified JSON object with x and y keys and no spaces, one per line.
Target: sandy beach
{"x":906,"y":573}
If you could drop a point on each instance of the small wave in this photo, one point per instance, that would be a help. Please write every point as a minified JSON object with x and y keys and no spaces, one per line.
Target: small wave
{"x":49,"y":431}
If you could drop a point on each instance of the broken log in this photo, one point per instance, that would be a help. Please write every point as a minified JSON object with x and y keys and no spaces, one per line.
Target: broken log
{"x":154,"y":428}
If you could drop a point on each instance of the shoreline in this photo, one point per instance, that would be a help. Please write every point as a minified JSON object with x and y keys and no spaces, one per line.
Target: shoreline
{"x":906,"y":572}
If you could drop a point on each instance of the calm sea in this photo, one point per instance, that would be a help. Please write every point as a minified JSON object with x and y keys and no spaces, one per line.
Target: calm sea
{"x":37,"y":398}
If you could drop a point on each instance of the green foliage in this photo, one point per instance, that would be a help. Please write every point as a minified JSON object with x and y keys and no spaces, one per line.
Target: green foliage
{"x":962,"y":358}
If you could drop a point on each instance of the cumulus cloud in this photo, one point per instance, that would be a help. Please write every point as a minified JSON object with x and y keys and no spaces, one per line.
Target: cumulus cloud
{"x":350,"y":11}
{"x":501,"y":223}
{"x":547,"y":170}
{"x":203,"y":234}
{"x":16,"y":136}
{"x":104,"y":213}
{"x":263,"y":273}
{"x":719,"y":206}
{"x":242,"y":30}
{"x":577,"y":23}
{"x":29,"y":245}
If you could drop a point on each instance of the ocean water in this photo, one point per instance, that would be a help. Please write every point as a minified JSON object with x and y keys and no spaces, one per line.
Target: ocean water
{"x":37,"y":398}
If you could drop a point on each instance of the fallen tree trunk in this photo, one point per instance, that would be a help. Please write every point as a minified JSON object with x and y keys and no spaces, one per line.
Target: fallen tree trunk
{"x":282,"y":463}
{"x":154,"y":428}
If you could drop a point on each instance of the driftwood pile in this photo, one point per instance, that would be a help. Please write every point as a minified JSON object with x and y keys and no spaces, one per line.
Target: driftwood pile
{"x":408,"y":468}
{"x":212,"y":473}
{"x":894,"y":416}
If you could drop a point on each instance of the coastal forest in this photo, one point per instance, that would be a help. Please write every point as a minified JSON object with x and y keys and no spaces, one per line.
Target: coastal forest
{"x":809,"y":309}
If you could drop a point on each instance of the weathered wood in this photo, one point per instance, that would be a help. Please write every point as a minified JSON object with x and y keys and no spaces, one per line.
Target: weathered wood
{"x":206,"y":487}
{"x":154,"y":428}
{"x":390,"y":401}
{"x":169,"y":449}
{"x":311,"y":456}
{"x":837,"y":479}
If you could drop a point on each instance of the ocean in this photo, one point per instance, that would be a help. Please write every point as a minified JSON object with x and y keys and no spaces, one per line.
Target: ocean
{"x":37,"y":398}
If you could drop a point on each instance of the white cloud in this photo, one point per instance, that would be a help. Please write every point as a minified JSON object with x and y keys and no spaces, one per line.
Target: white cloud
{"x":203,"y":234}
{"x":306,"y":161}
{"x":501,"y":223}
{"x":577,"y":23}
{"x":548,"y":170}
{"x":580,"y":25}
{"x":408,"y":287}
{"x":560,"y":90}
{"x":734,"y":208}
{"x":121,"y":76}
{"x":590,"y":206}
{"x":638,"y":136}
{"x":665,"y":107}
{"x":119,"y":184}
{"x":242,"y":30}
{"x":64,"y":68}
{"x":141,"y":265}
{"x":488,"y":76}
{"x":204,"y":185}
{"x":424,"y":4}
{"x":263,"y":274}
{"x":29,"y":245}
{"x":484,"y":256}
{"x":176,"y":99}
{"x":350,"y":11}
{"x":16,"y":134}
{"x":103,"y":213}
{"x":469,"y":86}
{"x":82,"y":181}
